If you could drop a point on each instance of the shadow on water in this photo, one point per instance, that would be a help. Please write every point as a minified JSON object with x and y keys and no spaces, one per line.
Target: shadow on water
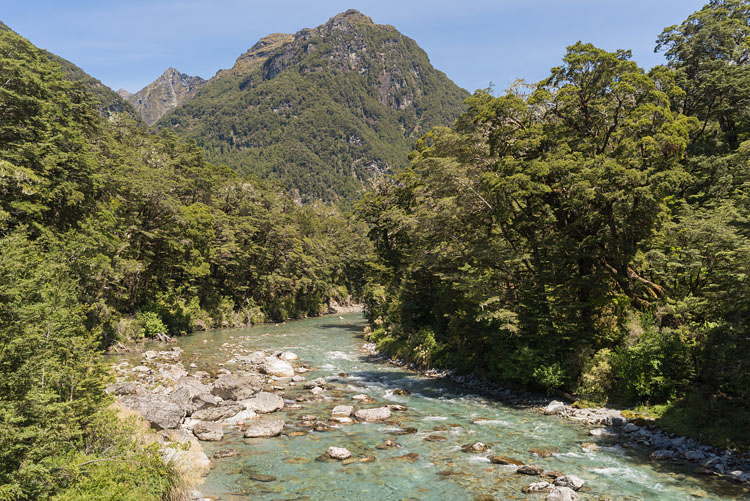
{"x":346,"y":327}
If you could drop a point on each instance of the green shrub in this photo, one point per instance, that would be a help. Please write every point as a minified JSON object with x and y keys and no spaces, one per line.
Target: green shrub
{"x":597,"y":377}
{"x":152,"y":323}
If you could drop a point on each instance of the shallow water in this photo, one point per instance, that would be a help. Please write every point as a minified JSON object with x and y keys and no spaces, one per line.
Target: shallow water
{"x":332,"y":345}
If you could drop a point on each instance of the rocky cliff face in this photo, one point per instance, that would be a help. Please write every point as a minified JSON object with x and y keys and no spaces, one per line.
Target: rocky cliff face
{"x":165,"y":93}
{"x":324,"y":110}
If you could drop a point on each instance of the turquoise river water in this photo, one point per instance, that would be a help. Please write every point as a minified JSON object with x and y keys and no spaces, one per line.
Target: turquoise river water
{"x":331,"y":346}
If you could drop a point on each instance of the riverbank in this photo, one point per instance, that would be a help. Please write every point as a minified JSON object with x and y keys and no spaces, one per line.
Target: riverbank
{"x":621,"y":426}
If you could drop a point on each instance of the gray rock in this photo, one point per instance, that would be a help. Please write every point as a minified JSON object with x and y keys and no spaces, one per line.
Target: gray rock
{"x":288,"y":356}
{"x":204,"y":401}
{"x":217,"y":413}
{"x":264,"y":403}
{"x":374,"y":414}
{"x":237,"y":387}
{"x":342,"y":411}
{"x":630,"y":428}
{"x":338,"y":453}
{"x":208,"y":431}
{"x":663,"y":454}
{"x":264,"y":428}
{"x":554,"y":407}
{"x":570,"y":481}
{"x":695,"y":455}
{"x":124,"y":388}
{"x":276,"y":367}
{"x":162,"y":413}
{"x":186,"y":388}
{"x":562,"y":494}
{"x":530,"y":469}
{"x":315,"y":382}
{"x":537,"y":487}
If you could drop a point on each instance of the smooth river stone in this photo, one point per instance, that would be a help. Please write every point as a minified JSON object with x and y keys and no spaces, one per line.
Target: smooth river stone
{"x":342,"y":411}
{"x":217,"y":413}
{"x":264,"y":403}
{"x":338,"y":453}
{"x":264,"y":428}
{"x":208,"y":430}
{"x":562,"y":494}
{"x":237,"y":387}
{"x":374,"y":414}
{"x":276,"y":367}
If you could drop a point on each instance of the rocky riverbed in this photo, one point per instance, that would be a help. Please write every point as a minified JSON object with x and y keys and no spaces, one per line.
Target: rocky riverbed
{"x":259,"y":414}
{"x":606,"y":423}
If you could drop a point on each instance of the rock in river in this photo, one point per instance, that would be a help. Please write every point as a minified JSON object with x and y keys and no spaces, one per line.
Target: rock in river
{"x":217,"y":413}
{"x":264,"y":428}
{"x":277,"y":367}
{"x":374,"y":414}
{"x":264,"y":402}
{"x":562,"y":494}
{"x":530,"y":469}
{"x":342,"y":411}
{"x":237,"y":387}
{"x":570,"y":481}
{"x":208,"y":430}
{"x":338,"y":453}
{"x":538,"y":487}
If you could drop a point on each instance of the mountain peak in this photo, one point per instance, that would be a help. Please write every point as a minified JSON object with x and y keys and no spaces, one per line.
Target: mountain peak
{"x":163,"y":94}
{"x":352,"y":16}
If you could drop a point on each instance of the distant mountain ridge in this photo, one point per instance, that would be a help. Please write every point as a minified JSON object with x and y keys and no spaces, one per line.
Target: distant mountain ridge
{"x":163,"y":94}
{"x":324,"y":110}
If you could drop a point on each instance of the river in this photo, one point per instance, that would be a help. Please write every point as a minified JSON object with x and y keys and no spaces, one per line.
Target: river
{"x":332,"y":346}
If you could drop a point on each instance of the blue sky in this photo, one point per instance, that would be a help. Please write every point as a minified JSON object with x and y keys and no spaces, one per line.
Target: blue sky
{"x":129,"y":44}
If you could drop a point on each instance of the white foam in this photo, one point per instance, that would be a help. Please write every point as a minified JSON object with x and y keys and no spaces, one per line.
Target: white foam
{"x":434,"y":418}
{"x":340,"y":355}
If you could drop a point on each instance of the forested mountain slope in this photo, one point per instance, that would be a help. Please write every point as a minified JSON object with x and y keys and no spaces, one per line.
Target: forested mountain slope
{"x":323,"y":110}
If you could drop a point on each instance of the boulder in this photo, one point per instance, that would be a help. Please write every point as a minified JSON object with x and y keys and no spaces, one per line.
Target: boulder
{"x":554,"y":407}
{"x":570,"y":481}
{"x":264,"y":403}
{"x":204,"y":401}
{"x":338,"y":453}
{"x":288,"y":356}
{"x":562,"y":494}
{"x":264,"y":428}
{"x":538,"y":487}
{"x":162,"y":413}
{"x":217,"y":413}
{"x":315,"y":382}
{"x":630,"y":428}
{"x":124,"y":388}
{"x":505,"y":461}
{"x":374,"y":414}
{"x":186,"y":388}
{"x":299,"y":379}
{"x":237,"y":387}
{"x":474,"y":447}
{"x":240,"y":418}
{"x":530,"y":469}
{"x":277,"y":367}
{"x":342,"y":411}
{"x":255,"y":358}
{"x":208,"y":431}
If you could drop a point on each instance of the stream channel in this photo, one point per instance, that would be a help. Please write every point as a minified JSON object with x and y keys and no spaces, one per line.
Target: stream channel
{"x":332,"y":347}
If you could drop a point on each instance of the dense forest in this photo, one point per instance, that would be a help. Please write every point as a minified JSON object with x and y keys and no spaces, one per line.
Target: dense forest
{"x":587,"y":233}
{"x":109,"y":233}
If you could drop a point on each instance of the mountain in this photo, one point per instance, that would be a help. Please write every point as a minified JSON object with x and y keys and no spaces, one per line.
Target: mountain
{"x":110,"y":101}
{"x":163,"y":94}
{"x":324,"y":110}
